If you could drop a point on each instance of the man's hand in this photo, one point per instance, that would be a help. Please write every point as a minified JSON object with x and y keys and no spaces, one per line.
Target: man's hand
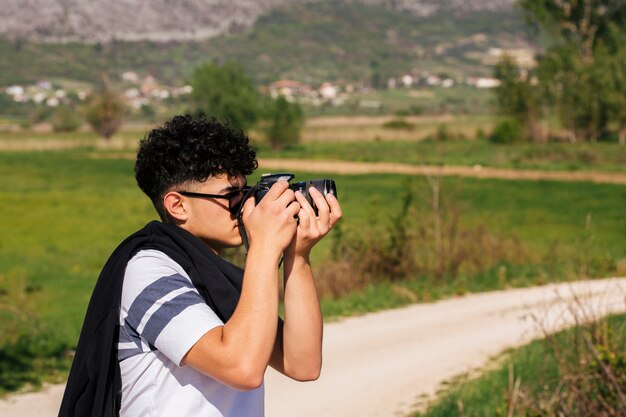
{"x":271,"y":223}
{"x":311,"y":228}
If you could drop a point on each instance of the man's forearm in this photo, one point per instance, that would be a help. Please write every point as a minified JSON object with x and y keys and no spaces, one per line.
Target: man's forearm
{"x":302,"y":331}
{"x":252,"y":328}
{"x":238,"y":353}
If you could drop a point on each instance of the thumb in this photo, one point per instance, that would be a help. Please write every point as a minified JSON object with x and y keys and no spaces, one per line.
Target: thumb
{"x":248,"y":206}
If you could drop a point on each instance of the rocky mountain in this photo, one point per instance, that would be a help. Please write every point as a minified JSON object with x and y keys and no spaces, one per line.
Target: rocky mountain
{"x":94,"y":21}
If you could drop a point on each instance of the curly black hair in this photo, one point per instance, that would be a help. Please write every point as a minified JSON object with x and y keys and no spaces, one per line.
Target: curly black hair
{"x":186,"y":150}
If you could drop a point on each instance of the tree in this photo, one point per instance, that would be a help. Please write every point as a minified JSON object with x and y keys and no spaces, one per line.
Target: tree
{"x":577,"y":91}
{"x":105,"y":111}
{"x":226,"y":93}
{"x":517,"y":97}
{"x":284,"y":122}
{"x":573,"y":73}
{"x":584,"y":23}
{"x":618,"y":97}
{"x":616,"y":91}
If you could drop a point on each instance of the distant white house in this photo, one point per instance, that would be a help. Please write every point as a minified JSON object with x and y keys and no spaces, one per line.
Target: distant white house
{"x":328,"y":91}
{"x":39,"y":97}
{"x":487,"y":83}
{"x":447,"y":83}
{"x":130,"y":76}
{"x":433,"y":80}
{"x":407,"y":80}
{"x":15,"y":90}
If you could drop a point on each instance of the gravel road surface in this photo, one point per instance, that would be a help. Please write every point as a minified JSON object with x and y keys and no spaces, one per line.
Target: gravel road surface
{"x":387,"y":363}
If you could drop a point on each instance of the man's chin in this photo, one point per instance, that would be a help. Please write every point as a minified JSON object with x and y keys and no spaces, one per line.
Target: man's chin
{"x":236,"y":242}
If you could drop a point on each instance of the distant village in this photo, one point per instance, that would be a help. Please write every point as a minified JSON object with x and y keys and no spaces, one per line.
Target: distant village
{"x":142,"y":91}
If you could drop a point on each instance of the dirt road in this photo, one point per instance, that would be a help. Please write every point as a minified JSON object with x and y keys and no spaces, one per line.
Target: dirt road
{"x":477,"y":171}
{"x":382,"y":364}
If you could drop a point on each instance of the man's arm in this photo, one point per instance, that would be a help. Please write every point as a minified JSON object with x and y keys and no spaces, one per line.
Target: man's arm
{"x":298,"y":349}
{"x":237,"y":354}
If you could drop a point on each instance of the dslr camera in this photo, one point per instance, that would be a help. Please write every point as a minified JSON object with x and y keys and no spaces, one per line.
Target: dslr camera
{"x":324,"y":186}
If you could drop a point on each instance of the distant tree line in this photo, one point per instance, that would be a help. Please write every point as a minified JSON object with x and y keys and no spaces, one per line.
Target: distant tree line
{"x":580,"y":77}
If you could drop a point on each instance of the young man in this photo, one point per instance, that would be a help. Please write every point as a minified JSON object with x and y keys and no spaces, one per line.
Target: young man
{"x":173,"y":328}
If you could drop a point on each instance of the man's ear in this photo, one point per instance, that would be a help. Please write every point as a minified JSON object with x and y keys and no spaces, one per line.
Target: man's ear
{"x":175,"y":207}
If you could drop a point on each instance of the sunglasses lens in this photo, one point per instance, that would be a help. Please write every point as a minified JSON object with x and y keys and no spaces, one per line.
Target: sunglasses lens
{"x":236,"y":200}
{"x":234,"y":207}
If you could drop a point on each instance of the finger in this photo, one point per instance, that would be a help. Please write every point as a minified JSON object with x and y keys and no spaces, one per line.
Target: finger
{"x":304,"y":219}
{"x":323,"y":211}
{"x":335,"y":209}
{"x":276,"y":190}
{"x":247,"y":208}
{"x":293,"y":208}
{"x":286,"y":197}
{"x":305,"y":204}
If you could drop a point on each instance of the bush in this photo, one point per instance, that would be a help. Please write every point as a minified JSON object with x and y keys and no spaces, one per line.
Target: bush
{"x":398,"y":124}
{"x":65,"y":119}
{"x":507,"y":131}
{"x":443,"y":134}
{"x":30,"y":357}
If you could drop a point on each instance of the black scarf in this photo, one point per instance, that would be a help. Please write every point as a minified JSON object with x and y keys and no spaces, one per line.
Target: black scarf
{"x":94,"y":384}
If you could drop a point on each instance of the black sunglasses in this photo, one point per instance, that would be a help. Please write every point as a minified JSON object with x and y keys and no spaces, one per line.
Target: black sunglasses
{"x":235,"y":198}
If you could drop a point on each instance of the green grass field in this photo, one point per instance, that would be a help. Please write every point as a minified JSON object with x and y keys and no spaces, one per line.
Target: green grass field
{"x":64,"y":212}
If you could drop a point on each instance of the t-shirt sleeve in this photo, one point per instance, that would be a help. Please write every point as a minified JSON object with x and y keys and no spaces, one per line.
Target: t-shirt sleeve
{"x":161,"y":308}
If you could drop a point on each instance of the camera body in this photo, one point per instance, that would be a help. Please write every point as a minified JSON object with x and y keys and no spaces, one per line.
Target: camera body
{"x":260,"y":189}
{"x":324,"y":186}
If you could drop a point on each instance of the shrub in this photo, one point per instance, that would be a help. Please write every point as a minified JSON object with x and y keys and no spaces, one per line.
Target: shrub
{"x":507,"y":131}
{"x":65,"y":119}
{"x":443,"y":134}
{"x":25,"y":360}
{"x":398,"y":124}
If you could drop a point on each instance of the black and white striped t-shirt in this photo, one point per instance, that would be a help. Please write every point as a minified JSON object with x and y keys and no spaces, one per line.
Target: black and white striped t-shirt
{"x":162,"y":317}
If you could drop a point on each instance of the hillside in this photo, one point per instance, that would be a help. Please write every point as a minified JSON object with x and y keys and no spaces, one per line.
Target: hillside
{"x":313,"y":42}
{"x":163,"y":21}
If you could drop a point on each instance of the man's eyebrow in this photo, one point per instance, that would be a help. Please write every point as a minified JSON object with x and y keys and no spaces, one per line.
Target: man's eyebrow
{"x":232,"y":188}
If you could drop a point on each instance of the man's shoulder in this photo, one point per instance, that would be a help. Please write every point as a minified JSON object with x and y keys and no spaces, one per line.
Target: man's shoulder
{"x":148,"y":259}
{"x":150,"y":267}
